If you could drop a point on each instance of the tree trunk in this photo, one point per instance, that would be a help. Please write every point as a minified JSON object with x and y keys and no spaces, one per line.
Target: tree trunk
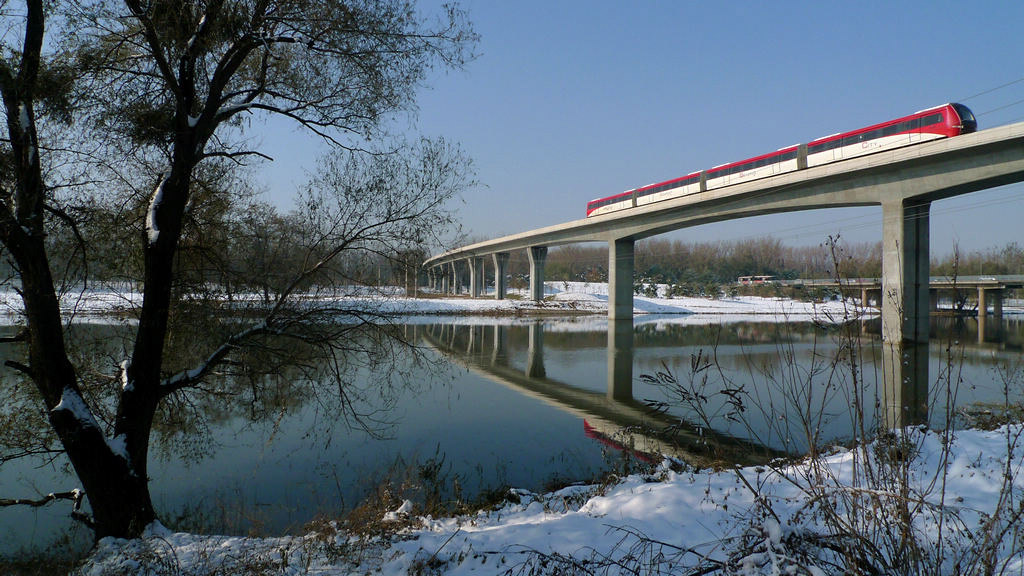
{"x":117,"y":493}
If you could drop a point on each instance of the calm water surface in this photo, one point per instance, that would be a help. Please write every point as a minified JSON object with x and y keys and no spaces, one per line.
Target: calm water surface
{"x":524,"y":403}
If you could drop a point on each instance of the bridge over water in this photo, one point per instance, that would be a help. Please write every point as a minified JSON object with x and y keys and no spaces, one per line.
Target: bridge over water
{"x":904,"y":182}
{"x":990,"y":290}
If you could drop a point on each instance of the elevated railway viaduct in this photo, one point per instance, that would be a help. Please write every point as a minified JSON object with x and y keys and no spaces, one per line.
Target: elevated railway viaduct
{"x":904,"y":182}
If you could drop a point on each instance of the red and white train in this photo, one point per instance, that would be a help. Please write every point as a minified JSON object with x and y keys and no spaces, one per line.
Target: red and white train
{"x":939,"y":122}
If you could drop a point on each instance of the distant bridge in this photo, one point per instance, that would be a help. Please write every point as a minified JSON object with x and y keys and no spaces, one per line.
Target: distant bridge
{"x":904,"y":182}
{"x":990,"y":289}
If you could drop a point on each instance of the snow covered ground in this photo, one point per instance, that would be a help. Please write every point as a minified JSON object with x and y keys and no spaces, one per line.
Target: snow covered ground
{"x":759,"y":519}
{"x":593,"y":297}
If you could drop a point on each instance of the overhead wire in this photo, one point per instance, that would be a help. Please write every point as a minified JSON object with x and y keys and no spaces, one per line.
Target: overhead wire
{"x":990,"y":90}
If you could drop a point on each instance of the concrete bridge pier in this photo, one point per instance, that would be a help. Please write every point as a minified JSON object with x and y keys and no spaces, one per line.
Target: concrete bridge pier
{"x":870,"y":297}
{"x":621,"y":256}
{"x":987,"y":294}
{"x":620,"y":279}
{"x":500,"y":272}
{"x":537,"y":255}
{"x":476,"y":276}
{"x":445,"y":279}
{"x":905,"y":303}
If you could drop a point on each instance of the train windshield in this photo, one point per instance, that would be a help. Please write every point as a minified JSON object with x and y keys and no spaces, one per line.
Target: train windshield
{"x":967,"y":120}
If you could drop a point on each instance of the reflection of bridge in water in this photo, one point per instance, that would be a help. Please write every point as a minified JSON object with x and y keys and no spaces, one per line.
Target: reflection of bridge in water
{"x":614,"y":416}
{"x":977,"y":333}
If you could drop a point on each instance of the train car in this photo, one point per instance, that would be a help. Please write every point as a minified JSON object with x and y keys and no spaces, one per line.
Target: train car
{"x":664,"y":190}
{"x":783,"y":160}
{"x":939,"y":122}
{"x":611,"y":203}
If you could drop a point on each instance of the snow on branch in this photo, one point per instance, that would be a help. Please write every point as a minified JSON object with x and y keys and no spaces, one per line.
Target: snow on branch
{"x":193,"y":375}
{"x":71,"y":402}
{"x":152,"y":229}
{"x":75,"y":495}
{"x":126,"y":384}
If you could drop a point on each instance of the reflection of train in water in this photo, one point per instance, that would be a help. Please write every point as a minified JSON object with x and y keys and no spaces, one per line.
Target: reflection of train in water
{"x":939,"y":122}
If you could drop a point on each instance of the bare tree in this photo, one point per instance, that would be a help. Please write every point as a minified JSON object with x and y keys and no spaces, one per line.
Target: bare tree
{"x":167,"y":88}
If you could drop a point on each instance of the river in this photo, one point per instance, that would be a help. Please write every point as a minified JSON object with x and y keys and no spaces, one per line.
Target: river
{"x":490,"y":403}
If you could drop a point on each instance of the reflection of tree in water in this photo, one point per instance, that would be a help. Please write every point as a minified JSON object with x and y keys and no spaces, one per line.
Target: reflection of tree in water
{"x":271,"y":380}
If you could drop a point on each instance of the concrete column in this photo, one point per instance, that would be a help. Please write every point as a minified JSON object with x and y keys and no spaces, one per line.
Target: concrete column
{"x":620,"y":279}
{"x":445,"y":279}
{"x":455,"y":278}
{"x":982,"y":304}
{"x":500,"y":272}
{"x":537,"y":254}
{"x":982,"y":321}
{"x":476,"y":276}
{"x":863,"y":297}
{"x":904,"y":313}
{"x":620,"y":359}
{"x":535,"y":352}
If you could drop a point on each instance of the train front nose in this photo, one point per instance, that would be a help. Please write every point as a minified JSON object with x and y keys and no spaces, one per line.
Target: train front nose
{"x":968,"y":122}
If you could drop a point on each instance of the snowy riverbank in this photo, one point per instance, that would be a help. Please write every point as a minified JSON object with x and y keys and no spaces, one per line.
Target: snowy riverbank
{"x":763,"y":520}
{"x":560,"y":297}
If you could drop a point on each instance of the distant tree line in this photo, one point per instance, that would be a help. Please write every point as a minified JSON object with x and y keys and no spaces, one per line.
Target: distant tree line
{"x":1008,"y":260}
{"x":667,"y":261}
{"x":707,"y":268}
{"x":232,"y":244}
{"x":673,"y":261}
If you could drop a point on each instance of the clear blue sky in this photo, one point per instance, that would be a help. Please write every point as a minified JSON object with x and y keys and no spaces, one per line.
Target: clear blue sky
{"x":572,"y":100}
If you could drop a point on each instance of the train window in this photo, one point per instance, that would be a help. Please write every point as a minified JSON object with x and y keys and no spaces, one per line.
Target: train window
{"x":816,"y":148}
